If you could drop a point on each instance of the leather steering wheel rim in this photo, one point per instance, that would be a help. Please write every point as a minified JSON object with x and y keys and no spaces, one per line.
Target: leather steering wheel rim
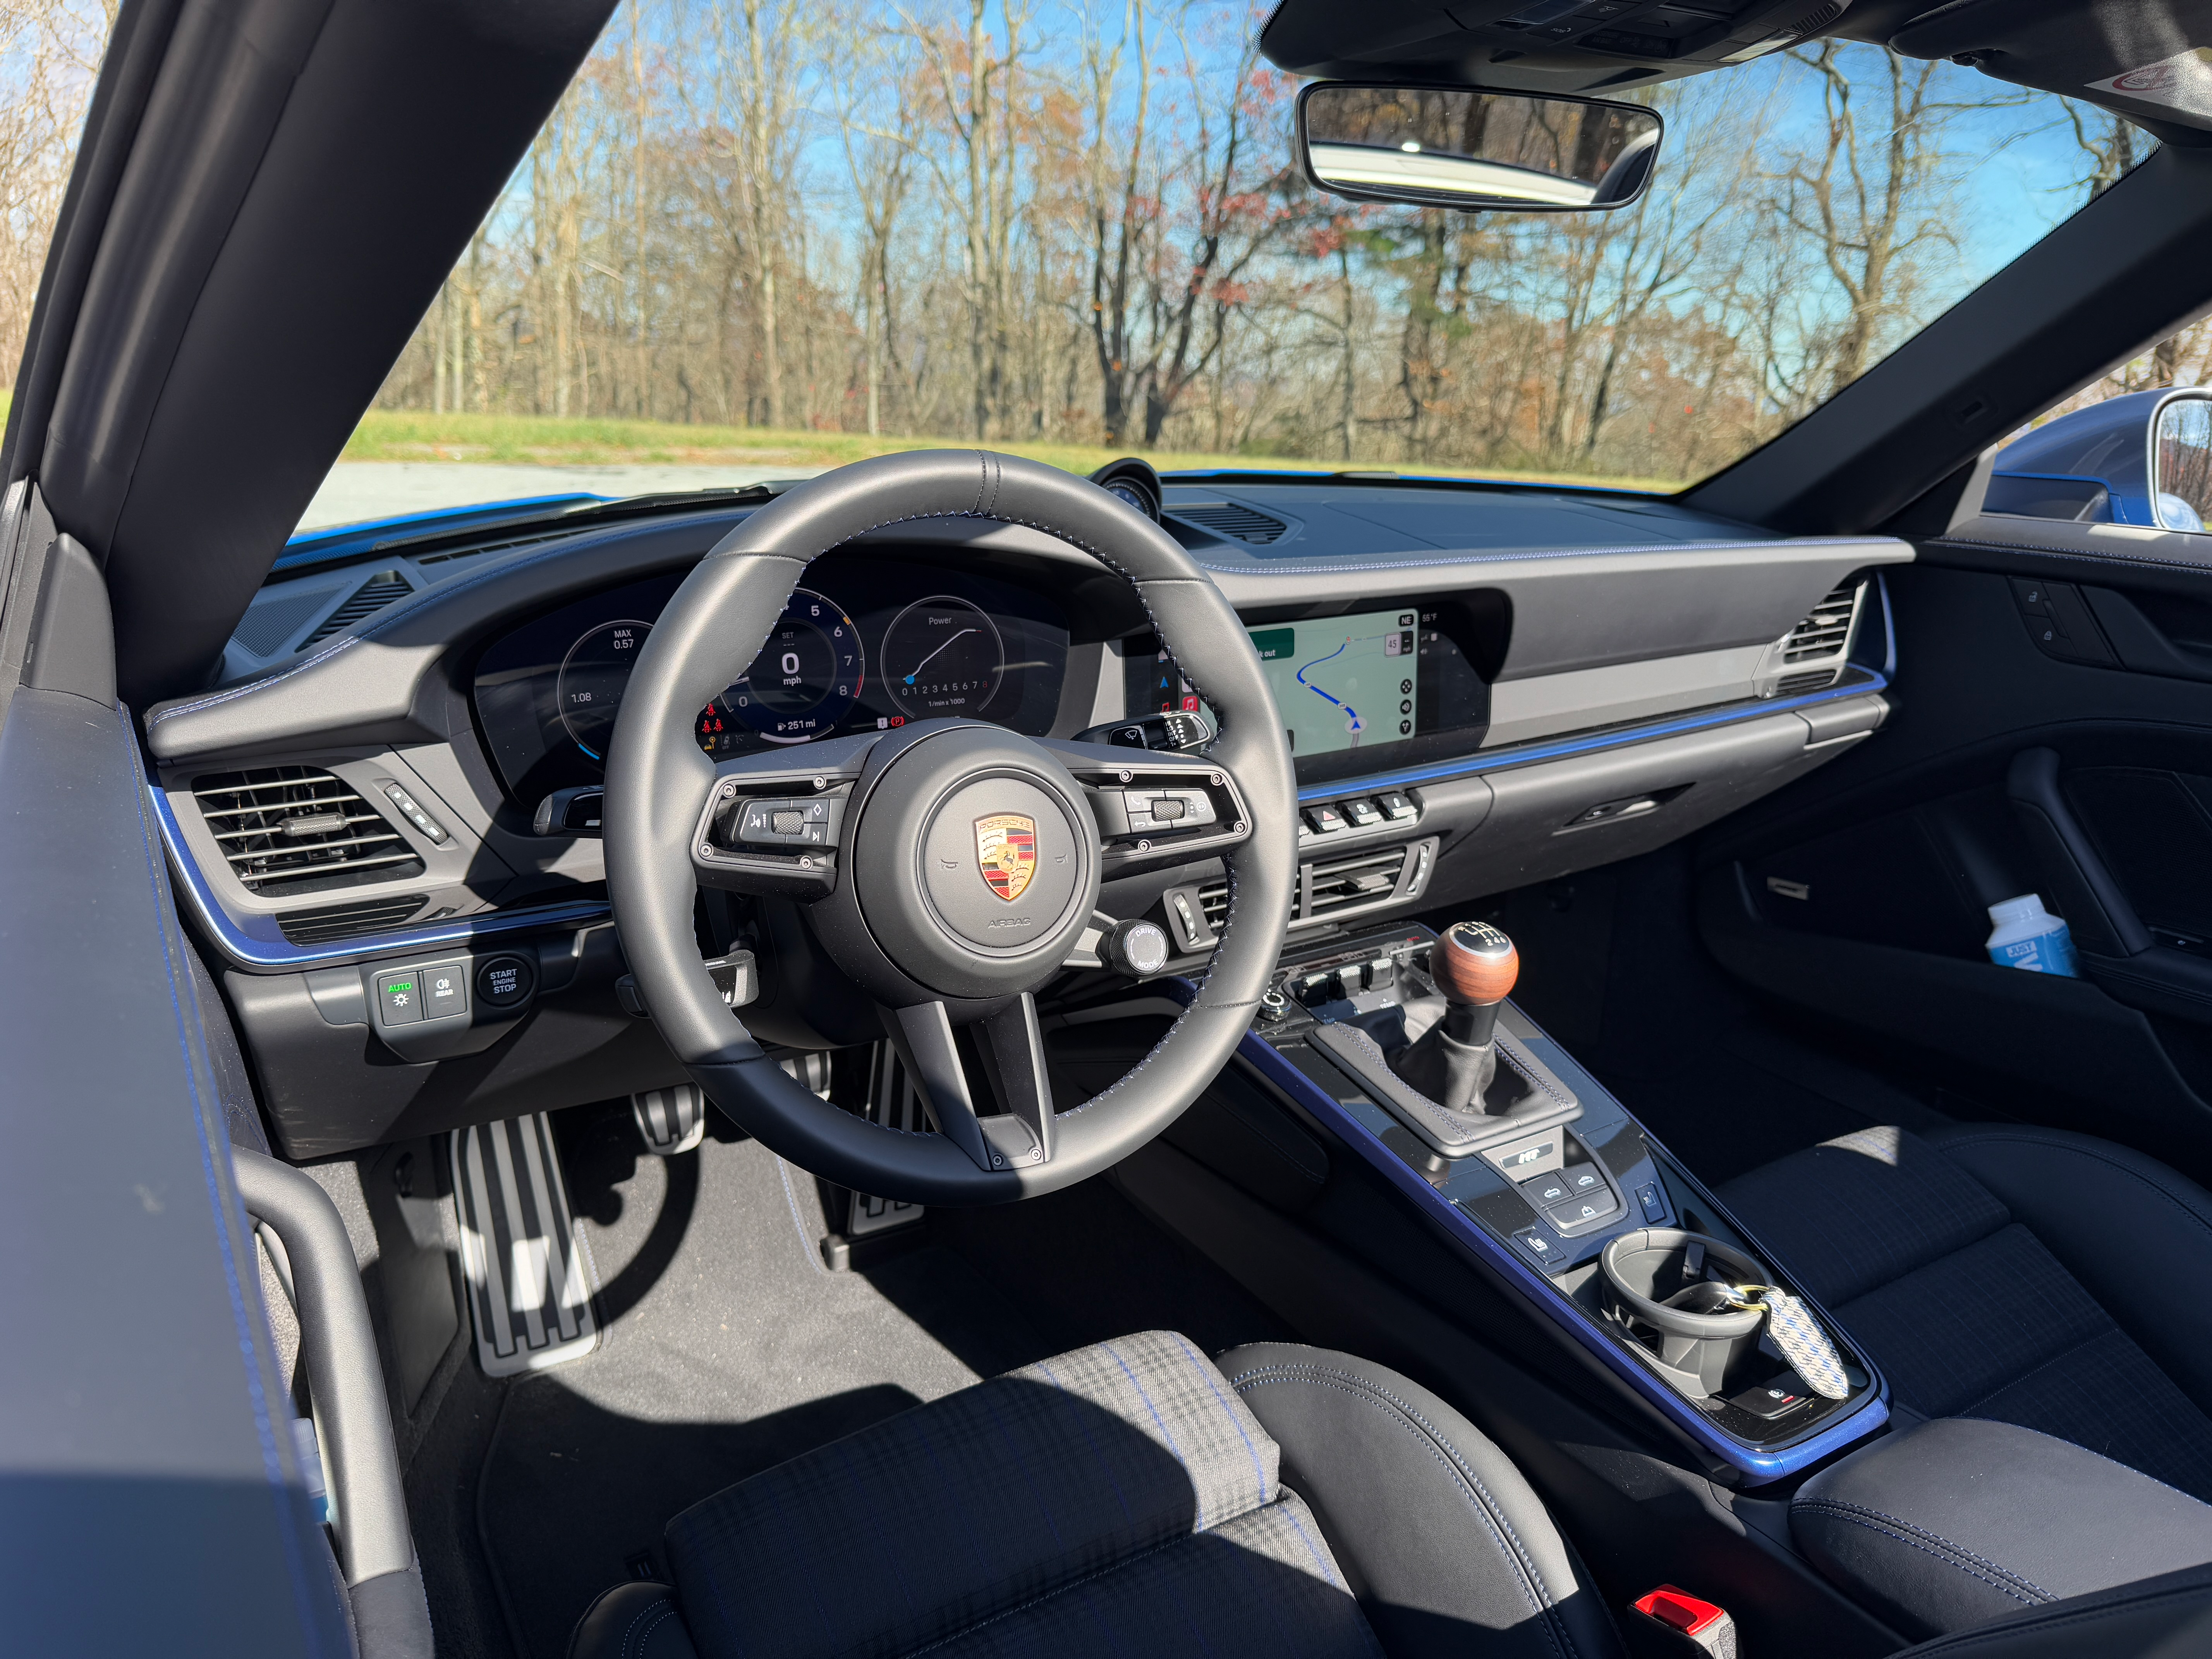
{"x":657,"y":780}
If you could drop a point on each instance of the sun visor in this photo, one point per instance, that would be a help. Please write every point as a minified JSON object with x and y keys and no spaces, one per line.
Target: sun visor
{"x":2149,"y":60}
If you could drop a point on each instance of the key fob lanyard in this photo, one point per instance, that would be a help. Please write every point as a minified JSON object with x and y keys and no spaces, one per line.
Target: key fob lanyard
{"x":1799,"y":1337}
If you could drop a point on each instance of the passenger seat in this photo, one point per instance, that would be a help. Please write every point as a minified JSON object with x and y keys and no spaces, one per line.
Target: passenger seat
{"x":2028,"y":1275}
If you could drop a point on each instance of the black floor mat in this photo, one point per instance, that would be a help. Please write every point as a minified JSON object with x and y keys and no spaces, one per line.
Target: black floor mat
{"x":730,"y":1348}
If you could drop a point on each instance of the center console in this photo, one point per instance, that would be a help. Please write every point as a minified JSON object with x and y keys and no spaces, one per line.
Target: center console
{"x":1405,"y":1045}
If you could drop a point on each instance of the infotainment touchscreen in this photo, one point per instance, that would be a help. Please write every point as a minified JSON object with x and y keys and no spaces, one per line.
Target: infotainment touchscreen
{"x":1392,"y":684}
{"x":1344,"y":682}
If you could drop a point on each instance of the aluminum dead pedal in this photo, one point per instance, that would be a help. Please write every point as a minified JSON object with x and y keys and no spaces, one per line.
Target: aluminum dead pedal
{"x":671,"y":1121}
{"x":530,"y":1295}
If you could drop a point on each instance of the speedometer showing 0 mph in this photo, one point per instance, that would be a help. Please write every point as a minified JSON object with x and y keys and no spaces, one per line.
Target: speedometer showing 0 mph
{"x":804,"y":682}
{"x":942,"y":656}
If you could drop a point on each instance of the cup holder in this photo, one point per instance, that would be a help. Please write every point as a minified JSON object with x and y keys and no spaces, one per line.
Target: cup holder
{"x":1648,"y":1291}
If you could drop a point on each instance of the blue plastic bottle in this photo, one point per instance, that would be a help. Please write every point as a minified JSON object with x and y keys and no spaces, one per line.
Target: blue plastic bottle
{"x":2028,"y":936}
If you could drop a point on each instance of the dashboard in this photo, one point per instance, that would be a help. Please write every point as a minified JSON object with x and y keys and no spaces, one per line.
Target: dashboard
{"x":1482,"y":688}
{"x":863,"y":644}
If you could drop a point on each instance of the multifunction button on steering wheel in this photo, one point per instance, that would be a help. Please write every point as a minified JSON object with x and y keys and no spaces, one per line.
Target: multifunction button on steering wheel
{"x":948,"y":866}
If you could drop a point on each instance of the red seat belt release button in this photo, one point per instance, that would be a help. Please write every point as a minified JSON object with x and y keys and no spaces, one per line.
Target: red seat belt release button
{"x":1698,"y":1626}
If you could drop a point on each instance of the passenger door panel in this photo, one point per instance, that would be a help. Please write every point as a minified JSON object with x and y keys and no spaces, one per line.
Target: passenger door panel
{"x":2052,"y":734}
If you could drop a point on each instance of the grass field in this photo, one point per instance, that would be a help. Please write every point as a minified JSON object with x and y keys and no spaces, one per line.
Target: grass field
{"x":552,"y":440}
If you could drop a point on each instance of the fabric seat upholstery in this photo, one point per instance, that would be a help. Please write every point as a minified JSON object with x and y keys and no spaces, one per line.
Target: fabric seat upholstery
{"x":1128,"y":1498}
{"x":2020,"y":1274}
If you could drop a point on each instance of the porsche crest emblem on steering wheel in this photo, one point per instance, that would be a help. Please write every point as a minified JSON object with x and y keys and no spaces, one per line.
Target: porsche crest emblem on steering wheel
{"x":1006,"y":851}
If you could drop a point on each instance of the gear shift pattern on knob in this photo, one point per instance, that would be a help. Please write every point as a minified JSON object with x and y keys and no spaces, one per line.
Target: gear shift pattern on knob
{"x":1474,"y":966}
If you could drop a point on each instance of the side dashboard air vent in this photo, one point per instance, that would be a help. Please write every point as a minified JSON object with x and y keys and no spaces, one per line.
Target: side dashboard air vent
{"x":299,"y":830}
{"x":349,"y":921}
{"x":1827,"y":630}
{"x":1232,"y":519}
{"x":371,"y":597}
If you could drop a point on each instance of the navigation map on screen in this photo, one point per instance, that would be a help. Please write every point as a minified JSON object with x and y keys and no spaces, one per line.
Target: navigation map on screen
{"x":1343,"y":682}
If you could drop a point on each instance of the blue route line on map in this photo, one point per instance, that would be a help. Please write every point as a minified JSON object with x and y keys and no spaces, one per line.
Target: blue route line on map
{"x":1357,"y":724}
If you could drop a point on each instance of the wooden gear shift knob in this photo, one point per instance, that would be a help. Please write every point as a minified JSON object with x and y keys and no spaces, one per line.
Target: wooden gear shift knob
{"x":1474,"y":963}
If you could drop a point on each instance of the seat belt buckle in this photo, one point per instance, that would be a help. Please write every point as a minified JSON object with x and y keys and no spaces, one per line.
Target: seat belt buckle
{"x":1689,"y":1625}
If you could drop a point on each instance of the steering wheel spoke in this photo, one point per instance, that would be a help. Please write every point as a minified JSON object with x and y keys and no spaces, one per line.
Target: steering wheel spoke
{"x":773,"y":823}
{"x":1013,"y":1048}
{"x":1157,"y":808}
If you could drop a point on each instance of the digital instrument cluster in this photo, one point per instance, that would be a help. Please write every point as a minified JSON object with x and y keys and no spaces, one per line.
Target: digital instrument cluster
{"x":863,"y":642}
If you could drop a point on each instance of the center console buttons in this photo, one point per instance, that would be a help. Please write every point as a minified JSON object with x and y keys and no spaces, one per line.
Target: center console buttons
{"x":1538,"y":1247}
{"x":1544,"y":1191}
{"x":1577,"y":1211}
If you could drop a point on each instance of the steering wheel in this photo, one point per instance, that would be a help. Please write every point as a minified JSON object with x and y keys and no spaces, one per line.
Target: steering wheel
{"x":949,"y":868}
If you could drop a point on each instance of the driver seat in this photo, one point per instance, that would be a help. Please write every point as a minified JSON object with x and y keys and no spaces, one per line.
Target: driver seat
{"x":1130,"y":1499}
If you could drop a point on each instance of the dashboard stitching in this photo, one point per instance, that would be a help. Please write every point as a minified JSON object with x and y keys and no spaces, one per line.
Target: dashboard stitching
{"x":1532,"y":554}
{"x":2125,"y":560}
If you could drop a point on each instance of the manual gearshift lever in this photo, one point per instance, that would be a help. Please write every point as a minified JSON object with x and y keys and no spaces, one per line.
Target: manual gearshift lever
{"x":1474,"y":965}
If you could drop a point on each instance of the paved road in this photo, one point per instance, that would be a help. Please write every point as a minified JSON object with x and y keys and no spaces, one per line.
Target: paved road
{"x":356,"y":490}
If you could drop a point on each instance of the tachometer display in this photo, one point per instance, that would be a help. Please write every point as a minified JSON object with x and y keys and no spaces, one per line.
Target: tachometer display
{"x":804,"y":680}
{"x":592,"y":675}
{"x":942,"y":656}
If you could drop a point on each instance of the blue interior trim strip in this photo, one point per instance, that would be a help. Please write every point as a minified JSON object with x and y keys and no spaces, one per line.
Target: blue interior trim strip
{"x":245,"y":951}
{"x":1865,"y":682}
{"x":1498,"y":1259}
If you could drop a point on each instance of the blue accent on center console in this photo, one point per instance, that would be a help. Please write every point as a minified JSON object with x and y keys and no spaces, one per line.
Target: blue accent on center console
{"x":1495,"y":1222}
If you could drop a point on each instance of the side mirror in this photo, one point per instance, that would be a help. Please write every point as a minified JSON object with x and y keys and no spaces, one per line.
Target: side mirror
{"x":1459,"y":148}
{"x":2181,"y":463}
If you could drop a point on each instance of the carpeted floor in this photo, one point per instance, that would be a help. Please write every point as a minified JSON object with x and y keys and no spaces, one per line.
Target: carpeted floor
{"x":729,"y":1347}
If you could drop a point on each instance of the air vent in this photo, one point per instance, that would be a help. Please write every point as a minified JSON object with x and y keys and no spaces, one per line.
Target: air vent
{"x":1233,"y":520}
{"x":1819,"y":679}
{"x":1360,"y":878}
{"x":1368,"y":878}
{"x":349,"y":921}
{"x":371,"y":597}
{"x":496,"y":547}
{"x":299,"y":830}
{"x":1214,"y":899}
{"x":1827,"y":630}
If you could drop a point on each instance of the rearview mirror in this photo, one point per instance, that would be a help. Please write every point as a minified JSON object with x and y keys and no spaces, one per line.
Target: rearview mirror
{"x":1445,"y":147}
{"x":2181,"y":464}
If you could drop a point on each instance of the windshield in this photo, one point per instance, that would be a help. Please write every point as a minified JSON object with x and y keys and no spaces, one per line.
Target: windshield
{"x":758,"y":238}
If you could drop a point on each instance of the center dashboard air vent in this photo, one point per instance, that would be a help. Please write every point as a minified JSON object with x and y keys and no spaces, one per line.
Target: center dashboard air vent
{"x":285,"y":829}
{"x":1349,"y":882}
{"x":371,"y":597}
{"x":1233,"y":520}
